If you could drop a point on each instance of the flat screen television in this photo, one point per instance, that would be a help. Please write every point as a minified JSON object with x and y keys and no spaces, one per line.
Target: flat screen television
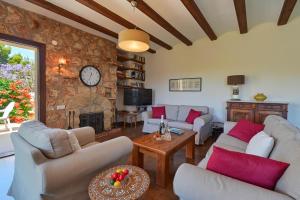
{"x":137,"y":96}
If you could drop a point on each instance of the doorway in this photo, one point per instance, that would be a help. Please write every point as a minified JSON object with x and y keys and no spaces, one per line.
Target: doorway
{"x":22,"y":86}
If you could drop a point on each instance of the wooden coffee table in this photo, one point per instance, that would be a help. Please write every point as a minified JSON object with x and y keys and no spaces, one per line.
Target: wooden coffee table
{"x":162,"y":151}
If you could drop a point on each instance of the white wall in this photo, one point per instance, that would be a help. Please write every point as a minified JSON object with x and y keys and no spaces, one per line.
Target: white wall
{"x":268,"y":55}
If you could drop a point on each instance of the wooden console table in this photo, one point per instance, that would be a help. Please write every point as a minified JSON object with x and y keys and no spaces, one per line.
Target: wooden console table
{"x":255,"y":111}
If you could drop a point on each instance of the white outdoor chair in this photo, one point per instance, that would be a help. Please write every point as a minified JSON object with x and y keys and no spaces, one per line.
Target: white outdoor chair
{"x":5,"y":116}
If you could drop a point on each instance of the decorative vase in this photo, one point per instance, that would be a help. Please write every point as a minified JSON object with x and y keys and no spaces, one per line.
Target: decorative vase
{"x":260,"y":97}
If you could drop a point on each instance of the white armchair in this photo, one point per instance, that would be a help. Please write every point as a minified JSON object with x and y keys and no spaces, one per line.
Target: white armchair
{"x":5,"y":117}
{"x":37,"y":177}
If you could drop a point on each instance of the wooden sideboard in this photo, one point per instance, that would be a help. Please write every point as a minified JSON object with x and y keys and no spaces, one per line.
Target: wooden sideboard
{"x":255,"y":111}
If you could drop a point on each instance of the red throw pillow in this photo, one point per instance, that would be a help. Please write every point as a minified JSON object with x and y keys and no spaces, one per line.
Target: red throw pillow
{"x":158,"y":111}
{"x":193,"y":114}
{"x":252,"y":169}
{"x":245,"y":130}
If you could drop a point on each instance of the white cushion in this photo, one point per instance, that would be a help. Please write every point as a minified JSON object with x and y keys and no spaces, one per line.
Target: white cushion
{"x":52,"y":142}
{"x":184,"y":111}
{"x":260,"y":145}
{"x":73,"y":141}
{"x":171,"y":112}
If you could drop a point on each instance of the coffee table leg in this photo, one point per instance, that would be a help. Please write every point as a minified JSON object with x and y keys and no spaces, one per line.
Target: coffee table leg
{"x":190,"y":151}
{"x":137,"y":157}
{"x":162,"y":170}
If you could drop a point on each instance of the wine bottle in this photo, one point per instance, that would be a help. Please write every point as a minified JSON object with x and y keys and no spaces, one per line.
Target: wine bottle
{"x":161,"y":125}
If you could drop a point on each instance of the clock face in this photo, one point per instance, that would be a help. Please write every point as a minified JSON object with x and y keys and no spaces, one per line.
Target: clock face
{"x":90,"y":75}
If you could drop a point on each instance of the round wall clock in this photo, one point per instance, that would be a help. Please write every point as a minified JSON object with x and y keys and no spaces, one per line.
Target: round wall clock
{"x":90,"y":75}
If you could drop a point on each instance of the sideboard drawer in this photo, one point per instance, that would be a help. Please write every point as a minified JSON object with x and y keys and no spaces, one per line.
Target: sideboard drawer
{"x":271,"y":107}
{"x":245,"y":106}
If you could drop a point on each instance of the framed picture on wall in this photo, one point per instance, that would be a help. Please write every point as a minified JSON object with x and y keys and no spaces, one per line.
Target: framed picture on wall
{"x":185,"y":85}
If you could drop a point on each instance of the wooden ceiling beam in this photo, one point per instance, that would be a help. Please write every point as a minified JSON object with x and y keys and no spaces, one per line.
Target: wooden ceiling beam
{"x":240,"y":9}
{"x":118,"y":19}
{"x":194,"y":10}
{"x":147,"y":10}
{"x":286,"y":11}
{"x":60,"y":11}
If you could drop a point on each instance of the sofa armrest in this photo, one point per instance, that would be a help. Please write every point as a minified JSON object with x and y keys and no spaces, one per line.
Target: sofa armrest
{"x":57,"y":173}
{"x":228,"y":126}
{"x":146,"y":115}
{"x":194,"y":183}
{"x":201,"y":121}
{"x":84,"y":135}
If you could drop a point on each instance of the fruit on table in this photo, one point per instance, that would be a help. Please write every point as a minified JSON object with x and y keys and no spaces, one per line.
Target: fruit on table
{"x":118,"y":176}
{"x":121,"y":177}
{"x":117,"y":184}
{"x":112,"y":182}
{"x":114,"y":176}
{"x":125,"y":171}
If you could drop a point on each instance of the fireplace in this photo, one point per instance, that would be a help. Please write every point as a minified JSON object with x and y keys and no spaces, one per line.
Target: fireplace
{"x":93,"y":119}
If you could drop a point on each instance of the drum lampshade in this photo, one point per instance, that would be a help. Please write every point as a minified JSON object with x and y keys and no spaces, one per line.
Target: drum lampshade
{"x":134,"y":40}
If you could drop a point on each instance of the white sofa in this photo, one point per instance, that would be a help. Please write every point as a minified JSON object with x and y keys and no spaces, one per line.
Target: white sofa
{"x":195,"y":182}
{"x":176,"y":116}
{"x":38,"y":177}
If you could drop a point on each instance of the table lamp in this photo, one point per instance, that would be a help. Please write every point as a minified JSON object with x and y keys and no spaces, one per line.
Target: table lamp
{"x":235,"y":81}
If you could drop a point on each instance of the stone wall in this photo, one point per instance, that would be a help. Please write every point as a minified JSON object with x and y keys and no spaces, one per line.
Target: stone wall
{"x":78,"y":48}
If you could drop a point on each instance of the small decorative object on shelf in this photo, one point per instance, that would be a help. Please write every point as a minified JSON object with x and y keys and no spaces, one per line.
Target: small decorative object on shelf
{"x":260,"y":97}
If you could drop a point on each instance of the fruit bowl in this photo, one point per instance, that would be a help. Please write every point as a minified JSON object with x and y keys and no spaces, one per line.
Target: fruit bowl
{"x":119,"y":177}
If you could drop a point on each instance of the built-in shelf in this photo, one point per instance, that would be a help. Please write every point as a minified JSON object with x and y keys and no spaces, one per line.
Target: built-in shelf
{"x":123,"y":68}
{"x":123,"y":58}
{"x":139,"y":79}
{"x":130,"y":74}
{"x":127,"y":68}
{"x":129,"y":78}
{"x":124,"y":86}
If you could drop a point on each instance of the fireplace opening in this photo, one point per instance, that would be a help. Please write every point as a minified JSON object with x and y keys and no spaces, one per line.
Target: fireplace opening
{"x":93,"y":119}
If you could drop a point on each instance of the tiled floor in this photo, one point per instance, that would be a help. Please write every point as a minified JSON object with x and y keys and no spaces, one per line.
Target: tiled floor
{"x":6,"y":176}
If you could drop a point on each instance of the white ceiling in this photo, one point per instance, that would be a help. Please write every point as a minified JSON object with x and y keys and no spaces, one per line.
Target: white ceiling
{"x":220,"y":14}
